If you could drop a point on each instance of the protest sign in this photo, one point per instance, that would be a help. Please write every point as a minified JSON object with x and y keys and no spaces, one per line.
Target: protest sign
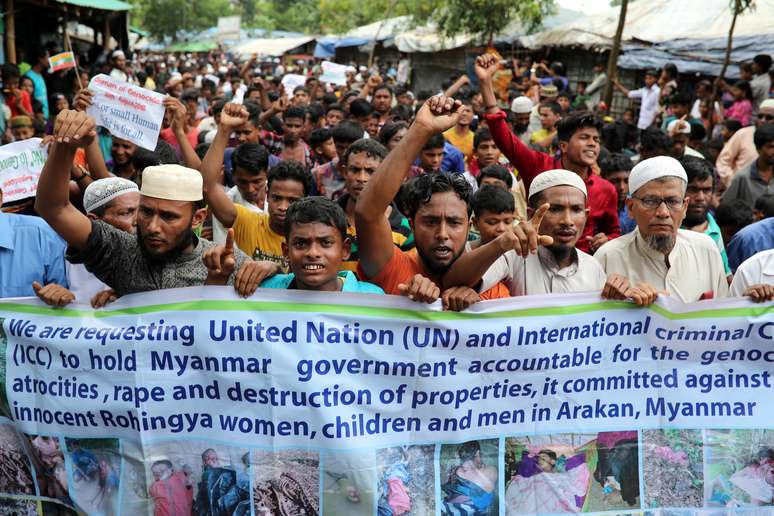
{"x":336,"y":404}
{"x":334,"y":73}
{"x":126,"y":110}
{"x":291,"y":81}
{"x":20,"y":166}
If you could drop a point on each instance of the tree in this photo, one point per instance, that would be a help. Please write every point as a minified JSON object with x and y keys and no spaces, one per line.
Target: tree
{"x":612,"y":62}
{"x":486,"y":18}
{"x":168,"y":17}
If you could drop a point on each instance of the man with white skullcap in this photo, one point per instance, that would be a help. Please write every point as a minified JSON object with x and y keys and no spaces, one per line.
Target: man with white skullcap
{"x":521,"y":110}
{"x":165,"y":253}
{"x":558,"y":206}
{"x":684,"y":264}
{"x":118,"y":61}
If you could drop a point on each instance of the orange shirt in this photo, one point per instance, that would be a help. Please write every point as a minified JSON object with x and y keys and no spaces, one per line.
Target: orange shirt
{"x":405,"y":264}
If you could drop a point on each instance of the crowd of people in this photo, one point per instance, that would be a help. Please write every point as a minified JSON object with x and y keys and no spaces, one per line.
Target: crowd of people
{"x":515,"y":183}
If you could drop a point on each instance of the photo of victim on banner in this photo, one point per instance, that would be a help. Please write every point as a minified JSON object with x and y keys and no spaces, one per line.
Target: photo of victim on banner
{"x":283,"y":406}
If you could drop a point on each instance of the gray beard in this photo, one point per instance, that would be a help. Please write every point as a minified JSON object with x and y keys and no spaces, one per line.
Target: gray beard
{"x":661,"y":243}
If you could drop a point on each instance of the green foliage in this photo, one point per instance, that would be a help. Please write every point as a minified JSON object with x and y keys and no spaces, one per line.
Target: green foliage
{"x":167,"y":17}
{"x":485,"y":18}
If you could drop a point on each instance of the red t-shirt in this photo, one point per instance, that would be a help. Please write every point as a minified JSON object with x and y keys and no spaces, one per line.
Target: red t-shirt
{"x":24,"y":99}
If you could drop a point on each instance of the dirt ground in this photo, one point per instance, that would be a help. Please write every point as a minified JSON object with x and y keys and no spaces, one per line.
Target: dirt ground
{"x":670,"y":484}
{"x":15,"y":470}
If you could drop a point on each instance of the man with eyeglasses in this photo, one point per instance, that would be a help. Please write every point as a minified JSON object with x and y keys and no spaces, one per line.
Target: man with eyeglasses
{"x":684,"y":264}
{"x":740,"y":149}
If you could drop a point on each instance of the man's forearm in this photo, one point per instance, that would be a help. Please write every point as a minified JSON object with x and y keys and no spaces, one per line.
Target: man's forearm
{"x":488,"y":95}
{"x":53,"y":185}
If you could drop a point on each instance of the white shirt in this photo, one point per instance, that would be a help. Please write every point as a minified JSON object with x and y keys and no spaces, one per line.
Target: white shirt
{"x":695,"y":266}
{"x":218,"y":231}
{"x":83,"y":284}
{"x":542,"y":275}
{"x":649,"y":104}
{"x":756,"y":270}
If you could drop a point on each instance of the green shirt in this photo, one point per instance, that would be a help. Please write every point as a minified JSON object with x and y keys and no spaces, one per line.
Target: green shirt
{"x":713,"y":231}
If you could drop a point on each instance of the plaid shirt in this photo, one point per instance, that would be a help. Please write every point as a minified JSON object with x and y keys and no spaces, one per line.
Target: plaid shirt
{"x":275,"y":144}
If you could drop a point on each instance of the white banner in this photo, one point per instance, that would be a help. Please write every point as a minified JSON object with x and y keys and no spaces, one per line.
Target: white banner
{"x":334,"y":73}
{"x":291,"y":81}
{"x":127,"y":111}
{"x":20,"y":166}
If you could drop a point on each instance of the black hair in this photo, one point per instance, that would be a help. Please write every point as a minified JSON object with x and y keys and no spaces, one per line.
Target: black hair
{"x":492,"y":199}
{"x":550,"y":453}
{"x":698,"y":132}
{"x":764,"y":61}
{"x":347,"y":132}
{"x":671,"y":70}
{"x":468,"y":450}
{"x":765,"y":204}
{"x":163,"y":154}
{"x":251,"y":89}
{"x":330,"y":99}
{"x":9,"y":71}
{"x":697,"y":169}
{"x":732,"y":124}
{"x":316,"y":209}
{"x":420,"y":189}
{"x":435,"y":142}
{"x":250,"y":157}
{"x":201,"y":149}
{"x":401,"y":112}
{"x":36,"y":53}
{"x":735,"y":213}
{"x":763,"y":135}
{"x":571,"y":124}
{"x":553,"y":106}
{"x":371,"y":147}
{"x":389,"y":130}
{"x":360,"y":108}
{"x":655,"y":142}
{"x":680,"y":99}
{"x":498,"y":172}
{"x":292,"y":170}
{"x":615,"y":162}
{"x":218,"y":106}
{"x":314,"y":112}
{"x":301,"y":88}
{"x":253,"y":113}
{"x":383,"y":86}
{"x":746,"y":89}
{"x":334,"y":107}
{"x":319,"y":136}
{"x":482,"y":134}
{"x":294,"y":112}
{"x":189,"y":94}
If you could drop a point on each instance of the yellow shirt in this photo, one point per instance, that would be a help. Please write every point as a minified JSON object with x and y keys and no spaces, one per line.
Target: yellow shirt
{"x":464,"y":143}
{"x":253,"y":235}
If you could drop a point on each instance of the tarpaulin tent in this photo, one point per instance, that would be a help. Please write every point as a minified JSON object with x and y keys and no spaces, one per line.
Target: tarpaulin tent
{"x":274,"y":47}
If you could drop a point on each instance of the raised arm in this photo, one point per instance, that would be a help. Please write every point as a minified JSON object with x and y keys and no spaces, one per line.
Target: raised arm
{"x":458,"y":84}
{"x":94,"y":157}
{"x":72,"y":129}
{"x":620,"y":87}
{"x":232,"y":116}
{"x":179,"y":114}
{"x":373,"y":229}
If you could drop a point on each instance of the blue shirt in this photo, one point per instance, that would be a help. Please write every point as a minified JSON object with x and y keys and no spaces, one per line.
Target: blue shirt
{"x":750,"y":240}
{"x":351,"y":283}
{"x":625,"y":221}
{"x":29,"y":251}
{"x":453,"y":159}
{"x":41,"y":94}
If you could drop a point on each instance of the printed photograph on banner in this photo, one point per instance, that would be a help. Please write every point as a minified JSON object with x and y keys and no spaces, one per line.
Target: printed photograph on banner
{"x":198,"y":478}
{"x":565,"y":473}
{"x":20,"y":507}
{"x":95,"y":465}
{"x":349,"y":483}
{"x":739,"y":468}
{"x":5,"y":409}
{"x":286,"y":482}
{"x":673,"y":468}
{"x":15,"y":467}
{"x":406,"y":480}
{"x":48,"y":460}
{"x":135,"y":498}
{"x":469,"y":478}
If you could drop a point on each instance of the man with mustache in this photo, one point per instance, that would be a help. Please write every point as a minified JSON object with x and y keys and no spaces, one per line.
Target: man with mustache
{"x":165,"y":253}
{"x":684,"y":264}
{"x":579,"y":143}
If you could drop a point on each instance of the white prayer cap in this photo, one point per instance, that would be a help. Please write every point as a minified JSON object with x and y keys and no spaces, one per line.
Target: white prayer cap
{"x":172,"y":182}
{"x":684,"y":129}
{"x":557,"y":177}
{"x":522,"y":105}
{"x":654,"y":168}
{"x":118,"y":53}
{"x":767,"y":104}
{"x":102,"y":191}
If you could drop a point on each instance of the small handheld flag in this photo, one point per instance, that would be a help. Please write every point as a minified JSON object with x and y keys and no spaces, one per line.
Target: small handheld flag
{"x":62,"y":61}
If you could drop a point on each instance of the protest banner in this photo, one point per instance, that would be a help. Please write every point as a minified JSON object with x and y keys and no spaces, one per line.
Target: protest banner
{"x":334,"y":73}
{"x":291,"y":81}
{"x":126,"y":110}
{"x":20,"y":166}
{"x":61,"y":61}
{"x":358,"y":404}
